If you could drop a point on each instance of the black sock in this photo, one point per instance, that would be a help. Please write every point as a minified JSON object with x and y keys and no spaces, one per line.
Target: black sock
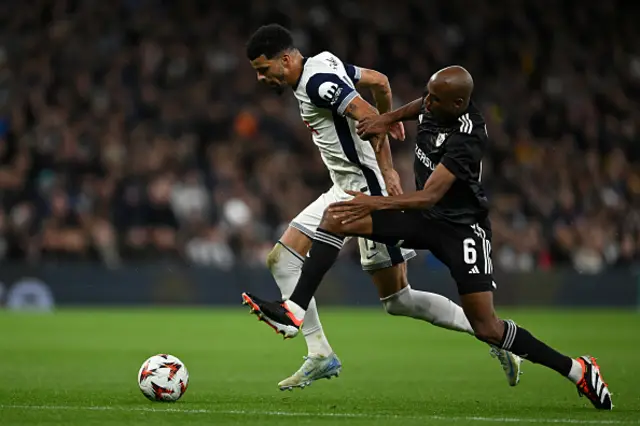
{"x":323,"y":254}
{"x":520,"y":342}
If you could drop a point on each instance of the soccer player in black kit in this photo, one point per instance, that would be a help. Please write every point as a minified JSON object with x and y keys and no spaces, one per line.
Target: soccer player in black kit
{"x":448,"y":215}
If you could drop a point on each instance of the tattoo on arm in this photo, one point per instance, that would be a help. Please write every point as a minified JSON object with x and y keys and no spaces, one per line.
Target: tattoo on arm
{"x":358,"y":109}
{"x":351,"y":110}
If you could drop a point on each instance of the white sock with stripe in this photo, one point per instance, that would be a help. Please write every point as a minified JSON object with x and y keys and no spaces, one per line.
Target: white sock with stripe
{"x":285,"y":266}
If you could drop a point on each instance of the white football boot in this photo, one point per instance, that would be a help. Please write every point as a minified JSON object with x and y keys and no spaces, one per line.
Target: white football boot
{"x":511,"y":364}
{"x":315,"y":367}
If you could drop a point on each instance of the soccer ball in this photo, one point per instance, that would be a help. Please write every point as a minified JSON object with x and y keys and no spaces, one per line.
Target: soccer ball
{"x":163,"y":378}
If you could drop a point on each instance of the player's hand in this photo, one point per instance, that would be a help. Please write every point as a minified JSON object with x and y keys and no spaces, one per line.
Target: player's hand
{"x":350,"y":211}
{"x":392,"y":180}
{"x":373,"y":125}
{"x":396,"y":130}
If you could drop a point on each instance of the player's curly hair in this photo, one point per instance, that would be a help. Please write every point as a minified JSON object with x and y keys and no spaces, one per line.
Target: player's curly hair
{"x":269,"y":40}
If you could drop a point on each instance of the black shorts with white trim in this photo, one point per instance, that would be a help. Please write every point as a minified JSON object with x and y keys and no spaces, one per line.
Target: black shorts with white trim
{"x":464,"y":249}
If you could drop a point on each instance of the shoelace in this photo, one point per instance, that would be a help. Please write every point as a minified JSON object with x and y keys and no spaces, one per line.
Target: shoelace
{"x":600,"y":375}
{"x":302,"y":368}
{"x":496,"y":354}
{"x":584,"y":384}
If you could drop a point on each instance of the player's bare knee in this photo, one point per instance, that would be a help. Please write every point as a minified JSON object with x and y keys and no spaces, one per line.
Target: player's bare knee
{"x":490,"y":331}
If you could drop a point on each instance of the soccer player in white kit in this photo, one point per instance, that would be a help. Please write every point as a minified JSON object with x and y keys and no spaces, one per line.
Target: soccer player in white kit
{"x":330,"y":106}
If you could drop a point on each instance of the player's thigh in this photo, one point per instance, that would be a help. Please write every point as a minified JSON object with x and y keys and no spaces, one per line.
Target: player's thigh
{"x":466,"y":251}
{"x":407,"y":229}
{"x":310,"y":218}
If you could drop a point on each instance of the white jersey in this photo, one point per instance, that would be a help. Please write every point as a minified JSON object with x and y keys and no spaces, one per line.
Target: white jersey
{"x":325,"y":88}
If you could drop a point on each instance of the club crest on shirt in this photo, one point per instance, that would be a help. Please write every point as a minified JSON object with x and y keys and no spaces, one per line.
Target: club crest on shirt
{"x":441,"y":137}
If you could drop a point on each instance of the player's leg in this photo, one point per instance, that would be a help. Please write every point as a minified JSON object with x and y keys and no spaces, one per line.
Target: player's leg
{"x":287,"y":317}
{"x":467,"y":254}
{"x":506,"y":334}
{"x":388,"y":269}
{"x":324,"y":251}
{"x":285,"y":263}
{"x":390,"y":227}
{"x":400,"y":299}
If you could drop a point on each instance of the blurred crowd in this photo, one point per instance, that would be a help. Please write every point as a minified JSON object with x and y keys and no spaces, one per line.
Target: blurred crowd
{"x":134,"y":130}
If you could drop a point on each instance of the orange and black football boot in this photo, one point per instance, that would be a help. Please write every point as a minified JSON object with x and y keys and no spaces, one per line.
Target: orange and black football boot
{"x":275,"y":314}
{"x":592,"y":385}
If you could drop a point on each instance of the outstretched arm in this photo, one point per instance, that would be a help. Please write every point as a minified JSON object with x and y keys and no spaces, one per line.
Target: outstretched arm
{"x":384,"y":122}
{"x":434,"y":189}
{"x":410,"y":111}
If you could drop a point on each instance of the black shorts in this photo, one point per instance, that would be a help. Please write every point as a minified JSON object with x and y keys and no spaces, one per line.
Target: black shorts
{"x":465,"y":249}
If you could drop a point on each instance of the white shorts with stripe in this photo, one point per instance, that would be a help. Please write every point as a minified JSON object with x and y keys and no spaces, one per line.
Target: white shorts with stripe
{"x":373,"y":256}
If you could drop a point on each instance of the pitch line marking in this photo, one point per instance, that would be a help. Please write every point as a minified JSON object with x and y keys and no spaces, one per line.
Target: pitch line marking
{"x":325,"y":415}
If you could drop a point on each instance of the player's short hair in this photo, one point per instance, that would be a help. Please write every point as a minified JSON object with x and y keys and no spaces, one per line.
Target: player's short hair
{"x":269,"y":40}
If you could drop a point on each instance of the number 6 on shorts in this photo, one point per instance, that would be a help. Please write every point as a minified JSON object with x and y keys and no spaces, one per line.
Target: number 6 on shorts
{"x":469,"y":251}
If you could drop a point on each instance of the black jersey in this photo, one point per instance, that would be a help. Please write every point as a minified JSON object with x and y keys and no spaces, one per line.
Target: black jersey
{"x":459,"y":146}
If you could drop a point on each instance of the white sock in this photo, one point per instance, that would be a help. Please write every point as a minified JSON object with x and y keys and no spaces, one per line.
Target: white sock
{"x":575,"y":375}
{"x":297,"y":310}
{"x":430,"y":307}
{"x":286,"y":266}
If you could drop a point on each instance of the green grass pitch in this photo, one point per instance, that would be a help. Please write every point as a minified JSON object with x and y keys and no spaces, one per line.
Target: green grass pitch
{"x":79,"y":367}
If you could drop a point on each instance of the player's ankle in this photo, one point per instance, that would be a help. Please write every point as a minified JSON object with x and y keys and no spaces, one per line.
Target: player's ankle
{"x":317,"y":343}
{"x":577,"y":371}
{"x":295,"y":309}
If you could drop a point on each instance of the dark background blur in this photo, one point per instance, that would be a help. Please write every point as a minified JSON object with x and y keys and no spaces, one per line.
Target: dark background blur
{"x":134,"y":130}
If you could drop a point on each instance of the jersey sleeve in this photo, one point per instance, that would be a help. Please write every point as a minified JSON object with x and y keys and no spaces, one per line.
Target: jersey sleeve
{"x":462,"y":152}
{"x":354,"y":73}
{"x":328,"y":90}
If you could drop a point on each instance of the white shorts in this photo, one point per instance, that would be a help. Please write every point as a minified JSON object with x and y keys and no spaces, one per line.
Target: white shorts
{"x":373,"y":255}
